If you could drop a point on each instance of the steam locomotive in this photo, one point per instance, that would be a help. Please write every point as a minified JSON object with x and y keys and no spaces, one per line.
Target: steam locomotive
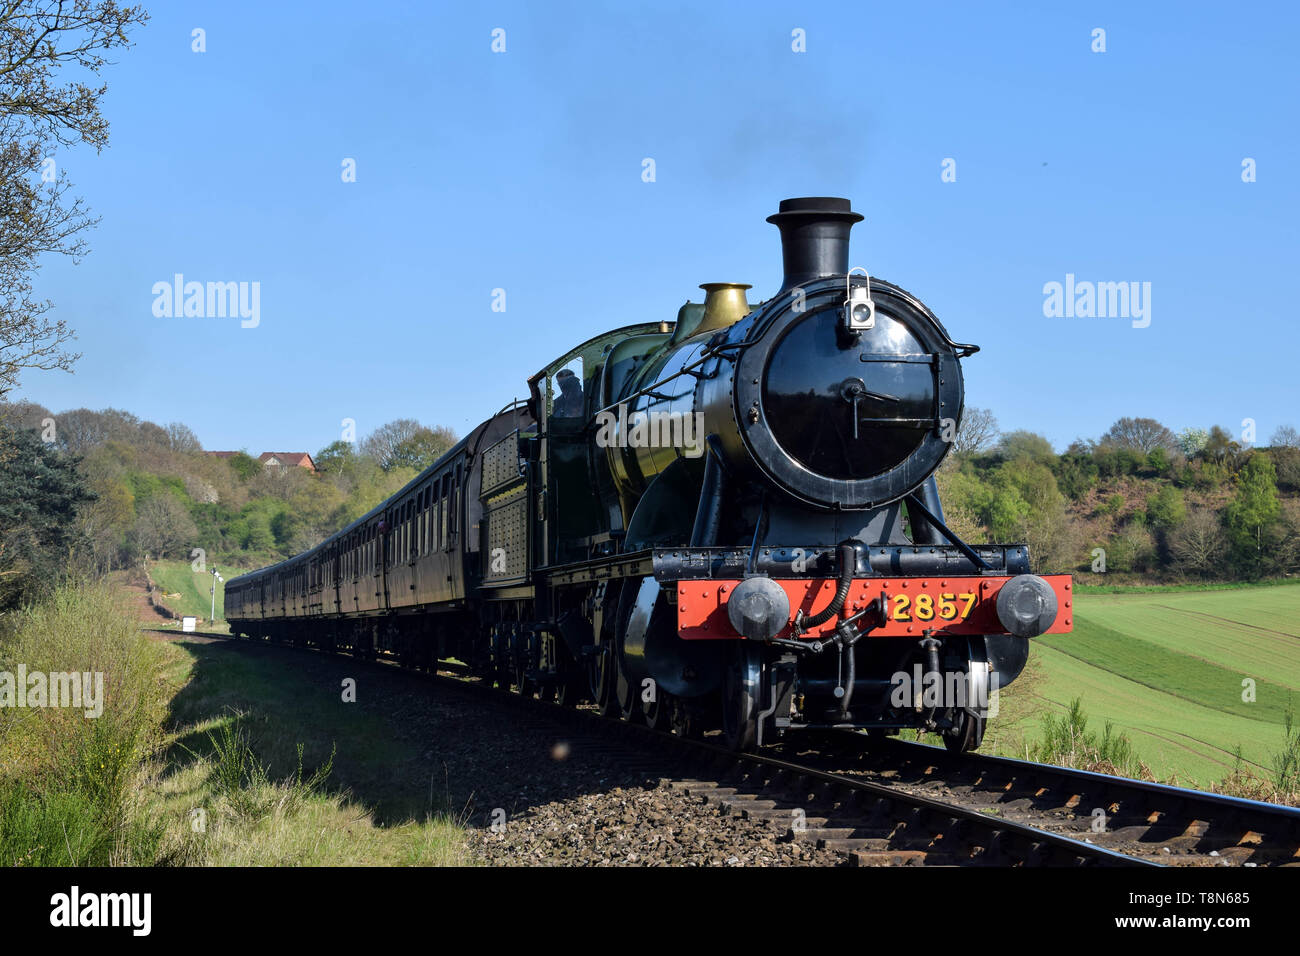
{"x":727,"y":522}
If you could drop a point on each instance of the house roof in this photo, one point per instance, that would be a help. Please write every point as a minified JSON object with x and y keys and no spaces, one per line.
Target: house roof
{"x":288,"y":458}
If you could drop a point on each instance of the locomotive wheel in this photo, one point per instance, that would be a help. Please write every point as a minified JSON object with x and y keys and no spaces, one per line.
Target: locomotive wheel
{"x":966,"y":736}
{"x":571,"y":686}
{"x":525,"y":654}
{"x":628,"y":696}
{"x":741,"y":685}
{"x":604,"y":679}
{"x":657,"y":713}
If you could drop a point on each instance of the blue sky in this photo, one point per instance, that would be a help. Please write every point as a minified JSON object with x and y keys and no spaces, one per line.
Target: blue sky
{"x":522,"y":170}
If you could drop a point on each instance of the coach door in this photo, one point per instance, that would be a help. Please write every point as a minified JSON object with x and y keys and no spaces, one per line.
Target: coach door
{"x":401,"y":567}
{"x":421,"y":567}
{"x":370,"y":577}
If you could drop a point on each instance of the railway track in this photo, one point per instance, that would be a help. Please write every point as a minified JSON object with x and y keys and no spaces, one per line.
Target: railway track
{"x":894,"y":802}
{"x":869,"y":823}
{"x":1168,"y":824}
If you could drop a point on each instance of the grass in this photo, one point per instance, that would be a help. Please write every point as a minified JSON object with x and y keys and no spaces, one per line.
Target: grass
{"x":1081,"y":585}
{"x":185,"y":591}
{"x":205,"y":754}
{"x":67,"y":781}
{"x":267,"y":766}
{"x":1200,"y":681}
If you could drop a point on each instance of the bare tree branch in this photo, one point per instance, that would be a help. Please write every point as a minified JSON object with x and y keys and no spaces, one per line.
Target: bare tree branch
{"x":38,"y":39}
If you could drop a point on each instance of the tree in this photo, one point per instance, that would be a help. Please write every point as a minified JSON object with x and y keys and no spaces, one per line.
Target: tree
{"x":244,"y":465}
{"x":1132,"y":549}
{"x":383,"y":442}
{"x":284,"y":527}
{"x":977,"y":432}
{"x":334,"y":457}
{"x":1252,"y":512}
{"x":1220,"y":447}
{"x":260,"y":537}
{"x":1198,"y":544}
{"x":163,"y":526}
{"x":24,"y":414}
{"x":38,"y":115}
{"x":423,"y":448}
{"x":181,"y":439}
{"x":1140,"y":435}
{"x":1166,"y":508}
{"x":1287,"y":461}
{"x":1026,"y":444}
{"x":1026,"y":505}
{"x":105,"y":522}
{"x":1286,"y":437}
{"x":40,"y":496}
{"x":1158,"y":461}
{"x":1191,"y":441}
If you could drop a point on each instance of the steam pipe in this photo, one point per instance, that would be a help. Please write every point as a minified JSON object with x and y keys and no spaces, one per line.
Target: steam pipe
{"x":708,"y":515}
{"x":848,"y":562}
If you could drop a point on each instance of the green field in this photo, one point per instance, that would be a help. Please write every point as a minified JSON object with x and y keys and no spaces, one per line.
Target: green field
{"x":179,"y":578}
{"x":1167,"y":667}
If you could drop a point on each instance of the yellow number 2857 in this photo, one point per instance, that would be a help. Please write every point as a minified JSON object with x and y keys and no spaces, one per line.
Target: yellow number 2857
{"x":948,"y":607}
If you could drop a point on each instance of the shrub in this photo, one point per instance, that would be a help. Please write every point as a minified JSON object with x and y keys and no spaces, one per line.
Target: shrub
{"x":65,"y":778}
{"x":1067,"y":743}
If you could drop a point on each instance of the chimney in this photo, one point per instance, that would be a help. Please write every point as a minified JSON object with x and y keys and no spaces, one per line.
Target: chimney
{"x":814,"y":238}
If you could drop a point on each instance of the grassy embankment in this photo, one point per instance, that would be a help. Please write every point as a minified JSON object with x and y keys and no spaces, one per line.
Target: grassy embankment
{"x":199,"y":757}
{"x":1174,"y":669}
{"x":185,"y":591}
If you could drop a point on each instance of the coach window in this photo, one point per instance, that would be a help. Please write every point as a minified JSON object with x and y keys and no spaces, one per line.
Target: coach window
{"x":412,"y":527}
{"x":419,"y":522}
{"x":405,"y":553}
{"x":445,"y":486}
{"x":442,"y":512}
{"x":429,"y":505}
{"x":424,"y":520}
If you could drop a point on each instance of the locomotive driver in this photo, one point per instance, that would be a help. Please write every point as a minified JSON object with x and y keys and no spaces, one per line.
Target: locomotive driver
{"x":569,"y":404}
